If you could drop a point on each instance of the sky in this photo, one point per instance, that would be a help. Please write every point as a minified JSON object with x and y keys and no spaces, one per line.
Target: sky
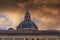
{"x":44,"y":13}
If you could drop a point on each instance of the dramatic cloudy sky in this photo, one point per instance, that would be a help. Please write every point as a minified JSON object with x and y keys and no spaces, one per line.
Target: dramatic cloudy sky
{"x":44,"y":13}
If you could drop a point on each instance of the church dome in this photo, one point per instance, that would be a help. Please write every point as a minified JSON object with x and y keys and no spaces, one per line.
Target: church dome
{"x":27,"y":23}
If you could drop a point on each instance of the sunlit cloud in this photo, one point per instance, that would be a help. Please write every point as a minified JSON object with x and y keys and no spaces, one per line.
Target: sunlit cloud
{"x":44,"y":13}
{"x":5,"y":23}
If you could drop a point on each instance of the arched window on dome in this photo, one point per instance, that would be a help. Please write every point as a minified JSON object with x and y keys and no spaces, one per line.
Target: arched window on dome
{"x":10,"y":29}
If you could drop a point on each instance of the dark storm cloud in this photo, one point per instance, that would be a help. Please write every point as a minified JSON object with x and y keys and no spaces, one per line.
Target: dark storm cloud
{"x":31,"y":4}
{"x":7,"y":4}
{"x":39,"y":4}
{"x":47,"y":3}
{"x":22,"y":1}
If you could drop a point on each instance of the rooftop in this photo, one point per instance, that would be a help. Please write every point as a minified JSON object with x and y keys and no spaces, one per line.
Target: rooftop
{"x":30,"y":32}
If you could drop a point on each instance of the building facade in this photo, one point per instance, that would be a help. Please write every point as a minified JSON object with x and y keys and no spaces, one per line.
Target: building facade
{"x":27,"y":30}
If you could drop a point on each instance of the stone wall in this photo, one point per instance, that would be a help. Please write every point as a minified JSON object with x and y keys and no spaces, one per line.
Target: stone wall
{"x":28,"y":37}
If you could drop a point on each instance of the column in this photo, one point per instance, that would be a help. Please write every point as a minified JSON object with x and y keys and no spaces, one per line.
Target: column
{"x":2,"y":38}
{"x":57,"y":38}
{"x":13,"y":38}
{"x":24,"y":38}
{"x":46,"y":38}
{"x":35,"y":38}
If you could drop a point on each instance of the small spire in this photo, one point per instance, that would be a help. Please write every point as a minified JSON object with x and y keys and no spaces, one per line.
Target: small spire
{"x":27,"y":12}
{"x":27,"y":15}
{"x":27,"y":8}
